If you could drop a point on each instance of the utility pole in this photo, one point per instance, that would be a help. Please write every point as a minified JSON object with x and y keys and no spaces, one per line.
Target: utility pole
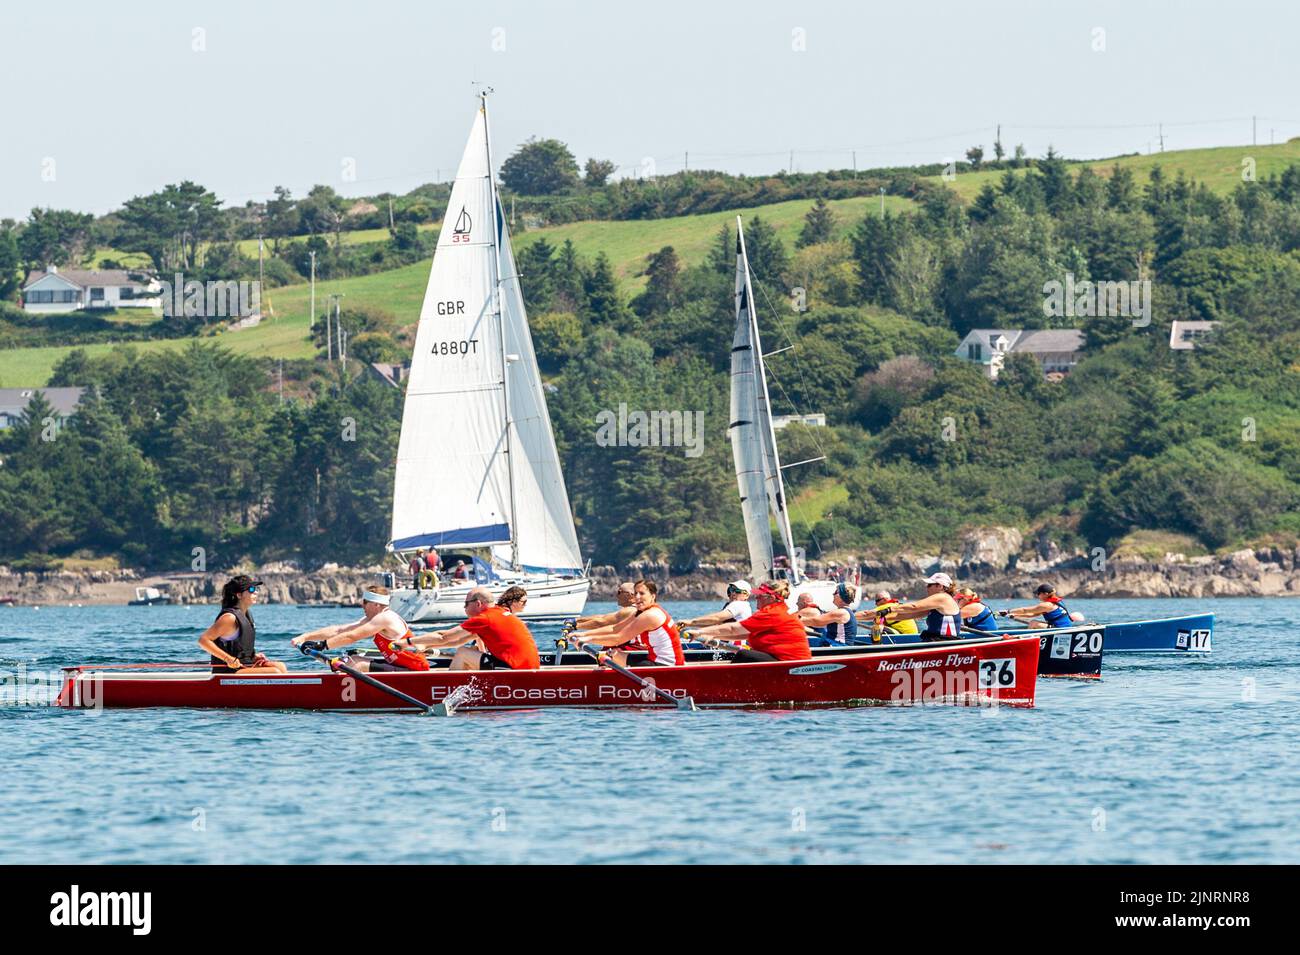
{"x":791,"y":169}
{"x":882,"y":202}
{"x":329,"y":331}
{"x":1162,"y":137}
{"x":855,"y":164}
{"x":311,"y":319}
{"x":260,"y":283}
{"x":1254,"y":137}
{"x":391,"y":227}
{"x":338,"y":326}
{"x":281,"y":377}
{"x":686,"y":162}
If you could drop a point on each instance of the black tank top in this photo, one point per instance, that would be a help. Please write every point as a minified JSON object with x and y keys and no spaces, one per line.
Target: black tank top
{"x":241,"y":644}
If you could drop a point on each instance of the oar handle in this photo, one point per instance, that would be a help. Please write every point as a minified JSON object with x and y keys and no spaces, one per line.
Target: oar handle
{"x":602,"y":657}
{"x":334,"y":664}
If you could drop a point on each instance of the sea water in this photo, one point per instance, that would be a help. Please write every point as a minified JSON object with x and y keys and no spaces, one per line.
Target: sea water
{"x":1169,"y":758}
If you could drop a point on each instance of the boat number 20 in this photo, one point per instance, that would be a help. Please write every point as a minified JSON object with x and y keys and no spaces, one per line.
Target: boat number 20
{"x":998,"y":674}
{"x":1086,"y":643}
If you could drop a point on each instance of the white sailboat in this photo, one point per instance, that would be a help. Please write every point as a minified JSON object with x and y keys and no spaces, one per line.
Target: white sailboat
{"x":753,"y":446}
{"x":477,"y":467}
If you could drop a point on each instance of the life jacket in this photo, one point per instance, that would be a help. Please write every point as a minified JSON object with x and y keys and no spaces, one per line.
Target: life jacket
{"x":241,"y":645}
{"x":406,"y":659}
{"x":663,"y":643}
{"x":843,"y":632}
{"x":942,"y":626}
{"x":898,"y":626}
{"x":984,"y":620}
{"x":1059,"y":615}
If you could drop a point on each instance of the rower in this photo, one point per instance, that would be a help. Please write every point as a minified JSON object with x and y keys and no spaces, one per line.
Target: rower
{"x":378,"y":621}
{"x":772,"y":631}
{"x":650,"y":630}
{"x":736,"y":608}
{"x":838,"y":625}
{"x":938,"y":607}
{"x":974,"y":614}
{"x":231,"y":638}
{"x":626,"y":597}
{"x":1054,"y":613}
{"x":886,"y":604}
{"x":505,"y":640}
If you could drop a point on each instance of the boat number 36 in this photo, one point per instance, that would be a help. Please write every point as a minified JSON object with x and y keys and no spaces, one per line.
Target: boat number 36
{"x":463,"y":347}
{"x":998,"y":674}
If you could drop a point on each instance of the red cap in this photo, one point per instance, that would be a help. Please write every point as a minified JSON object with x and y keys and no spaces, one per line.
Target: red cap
{"x":765,"y":590}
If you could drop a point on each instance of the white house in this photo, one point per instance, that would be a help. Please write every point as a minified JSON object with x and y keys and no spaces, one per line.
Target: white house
{"x":1184,"y":335}
{"x":67,"y":290}
{"x":1056,"y":350}
{"x":14,"y":401}
{"x":813,"y":419}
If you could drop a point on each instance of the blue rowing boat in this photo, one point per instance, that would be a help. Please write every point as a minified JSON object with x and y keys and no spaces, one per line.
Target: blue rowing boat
{"x":1193,"y":633}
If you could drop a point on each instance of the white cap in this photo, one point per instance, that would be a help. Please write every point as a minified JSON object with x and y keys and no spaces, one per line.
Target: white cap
{"x":740,"y":585}
{"x":941,"y":579}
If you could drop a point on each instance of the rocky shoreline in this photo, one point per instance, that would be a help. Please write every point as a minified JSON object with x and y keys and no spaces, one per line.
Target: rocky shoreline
{"x":992,"y":563}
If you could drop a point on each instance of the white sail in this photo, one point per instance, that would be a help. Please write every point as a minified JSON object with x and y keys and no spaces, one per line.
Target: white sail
{"x":753,"y":439}
{"x":474,"y":401}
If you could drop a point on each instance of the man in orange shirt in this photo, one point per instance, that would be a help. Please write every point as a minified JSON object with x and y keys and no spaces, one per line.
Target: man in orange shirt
{"x":772,"y":631}
{"x":505,"y":640}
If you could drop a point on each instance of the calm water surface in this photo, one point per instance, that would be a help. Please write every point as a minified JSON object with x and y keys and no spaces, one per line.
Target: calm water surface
{"x":1167,"y":759}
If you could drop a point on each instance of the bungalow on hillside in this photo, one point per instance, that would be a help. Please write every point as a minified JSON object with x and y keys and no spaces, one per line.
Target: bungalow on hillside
{"x":1184,"y":335}
{"x":14,"y":402}
{"x":1056,"y":350}
{"x":389,"y":373}
{"x":68,"y":290}
{"x":814,"y":419}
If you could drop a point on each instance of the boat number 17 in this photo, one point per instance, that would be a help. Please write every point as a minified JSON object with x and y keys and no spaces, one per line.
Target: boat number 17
{"x":998,"y":674}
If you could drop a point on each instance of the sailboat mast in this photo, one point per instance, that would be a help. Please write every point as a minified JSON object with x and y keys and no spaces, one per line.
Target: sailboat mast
{"x":760,"y":372}
{"x":501,"y":329}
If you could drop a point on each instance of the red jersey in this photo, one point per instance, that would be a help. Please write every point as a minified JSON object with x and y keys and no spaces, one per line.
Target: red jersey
{"x":505,"y":637}
{"x":775,"y":630}
{"x":662,"y":643}
{"x":406,"y":659}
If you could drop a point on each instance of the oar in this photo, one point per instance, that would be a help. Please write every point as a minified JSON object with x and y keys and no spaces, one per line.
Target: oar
{"x":333,"y":664}
{"x":602,"y":657}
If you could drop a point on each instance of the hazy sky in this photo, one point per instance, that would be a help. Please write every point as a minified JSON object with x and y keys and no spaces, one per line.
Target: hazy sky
{"x":110,"y":100}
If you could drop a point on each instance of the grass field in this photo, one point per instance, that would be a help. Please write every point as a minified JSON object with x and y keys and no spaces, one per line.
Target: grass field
{"x":1218,"y":168}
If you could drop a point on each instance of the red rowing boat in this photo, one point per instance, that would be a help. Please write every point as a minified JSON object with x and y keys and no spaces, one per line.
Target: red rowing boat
{"x":958,"y":672}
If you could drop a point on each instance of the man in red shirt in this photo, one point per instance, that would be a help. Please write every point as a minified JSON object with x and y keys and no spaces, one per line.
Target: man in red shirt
{"x":505,"y":640}
{"x":772,"y":631}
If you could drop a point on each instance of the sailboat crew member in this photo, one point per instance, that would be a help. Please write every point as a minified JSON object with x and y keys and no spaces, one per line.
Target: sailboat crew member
{"x":974,"y":614}
{"x":501,"y":641}
{"x":1055,"y":613}
{"x":885,"y":603}
{"x":231,"y":638}
{"x":378,"y":621}
{"x":626,"y":597}
{"x":772,"y":631}
{"x":838,"y":625}
{"x":650,"y":630}
{"x":938,"y":607}
{"x":736,"y":608}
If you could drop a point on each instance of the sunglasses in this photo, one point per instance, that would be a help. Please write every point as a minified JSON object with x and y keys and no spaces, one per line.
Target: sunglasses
{"x":251,"y":590}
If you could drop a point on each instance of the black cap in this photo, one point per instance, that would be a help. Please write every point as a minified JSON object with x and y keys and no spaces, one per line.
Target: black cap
{"x":1045,"y":589}
{"x":243,"y":582}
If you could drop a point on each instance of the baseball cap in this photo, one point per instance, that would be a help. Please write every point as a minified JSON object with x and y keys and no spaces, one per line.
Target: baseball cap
{"x":943,"y":580}
{"x":740,"y":585}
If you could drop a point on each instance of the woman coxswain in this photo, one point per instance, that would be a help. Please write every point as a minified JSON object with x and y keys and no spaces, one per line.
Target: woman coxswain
{"x":1049,"y":606}
{"x":379,"y":622}
{"x":974,"y":614}
{"x":772,"y":631}
{"x":650,"y":631}
{"x":938,"y":607}
{"x":231,"y":638}
{"x":500,"y":640}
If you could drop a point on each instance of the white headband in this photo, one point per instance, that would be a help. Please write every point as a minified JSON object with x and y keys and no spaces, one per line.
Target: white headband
{"x":371,"y":597}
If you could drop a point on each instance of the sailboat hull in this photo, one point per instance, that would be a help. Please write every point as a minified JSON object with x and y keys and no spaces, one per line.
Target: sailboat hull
{"x":548,"y":599}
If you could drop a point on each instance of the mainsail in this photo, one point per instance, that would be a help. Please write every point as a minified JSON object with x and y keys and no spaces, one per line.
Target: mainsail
{"x":753,"y":439}
{"x":477,"y":464}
